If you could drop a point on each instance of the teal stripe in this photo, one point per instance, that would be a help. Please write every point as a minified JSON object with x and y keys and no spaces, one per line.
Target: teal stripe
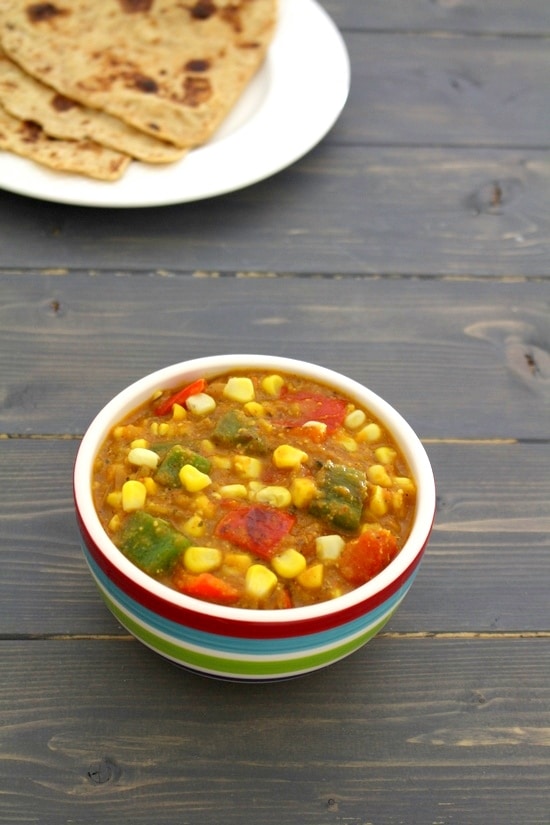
{"x":237,"y":667}
{"x":220,"y":643}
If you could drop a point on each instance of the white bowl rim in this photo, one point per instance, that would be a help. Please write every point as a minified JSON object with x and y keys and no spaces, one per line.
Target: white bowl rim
{"x":209,"y":366}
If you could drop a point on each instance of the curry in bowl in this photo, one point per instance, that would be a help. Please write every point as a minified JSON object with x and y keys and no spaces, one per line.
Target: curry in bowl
{"x":257,"y":490}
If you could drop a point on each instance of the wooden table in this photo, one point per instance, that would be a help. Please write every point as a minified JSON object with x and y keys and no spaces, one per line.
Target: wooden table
{"x":410,"y":250}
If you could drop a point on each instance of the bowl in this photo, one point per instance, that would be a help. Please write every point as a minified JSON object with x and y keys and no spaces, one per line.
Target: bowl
{"x":237,"y":643}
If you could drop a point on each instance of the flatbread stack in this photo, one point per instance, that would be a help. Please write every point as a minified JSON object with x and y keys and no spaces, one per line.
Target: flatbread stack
{"x":87,"y":86}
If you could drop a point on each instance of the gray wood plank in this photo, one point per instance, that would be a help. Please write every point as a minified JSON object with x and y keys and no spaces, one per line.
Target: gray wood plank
{"x":411,"y":731}
{"x":458,"y":358}
{"x":531,"y":17}
{"x":454,"y":90}
{"x":342,"y":210}
{"x":491,"y":535}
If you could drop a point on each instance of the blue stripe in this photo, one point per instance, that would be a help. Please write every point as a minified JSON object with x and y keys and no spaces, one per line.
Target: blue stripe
{"x":241,"y":645}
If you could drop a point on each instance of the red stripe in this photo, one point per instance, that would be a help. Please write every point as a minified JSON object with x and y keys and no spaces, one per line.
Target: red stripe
{"x":230,"y":627}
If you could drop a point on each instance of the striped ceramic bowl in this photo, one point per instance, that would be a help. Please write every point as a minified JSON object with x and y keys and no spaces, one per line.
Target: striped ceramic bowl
{"x":235,"y":643}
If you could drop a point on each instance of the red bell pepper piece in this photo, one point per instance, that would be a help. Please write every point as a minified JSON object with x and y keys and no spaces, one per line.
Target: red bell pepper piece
{"x":314,"y":407}
{"x":365,"y":557}
{"x":209,"y":588}
{"x":181,"y":396}
{"x":255,"y":528}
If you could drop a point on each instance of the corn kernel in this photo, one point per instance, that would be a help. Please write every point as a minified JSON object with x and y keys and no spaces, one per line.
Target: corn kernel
{"x":312,"y":577}
{"x":274,"y":496}
{"x":329,"y":547}
{"x":240,"y":389}
{"x":254,"y":409}
{"x":260,"y":581}
{"x":289,"y":563}
{"x":195,"y":526}
{"x":142,"y":457}
{"x":377,"y":474}
{"x":140,"y":442}
{"x":254,"y":487}
{"x":404,"y":483}
{"x":285,"y":456}
{"x":347,"y":442}
{"x":202,"y":559}
{"x":163,"y":428}
{"x":273,"y":384}
{"x":203,"y":506}
{"x":370,"y":433}
{"x":355,"y":419}
{"x":238,"y":561}
{"x":233,"y":491}
{"x":247,"y":466}
{"x":192,"y":479}
{"x":207,"y":446}
{"x":397,"y":501}
{"x":377,"y":502}
{"x":115,"y":523}
{"x":114,"y":499}
{"x":385,"y":455}
{"x":150,"y":485}
{"x":134,"y":495}
{"x":200,"y":404}
{"x":222,"y":462}
{"x":178,"y":412}
{"x":302,"y":491}
{"x":154,"y":427}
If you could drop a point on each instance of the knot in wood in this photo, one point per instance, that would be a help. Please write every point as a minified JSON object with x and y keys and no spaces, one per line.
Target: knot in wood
{"x":492,"y":197}
{"x":102,"y":771}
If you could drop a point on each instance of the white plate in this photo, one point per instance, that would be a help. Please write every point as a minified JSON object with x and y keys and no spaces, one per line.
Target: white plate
{"x":290,"y":105}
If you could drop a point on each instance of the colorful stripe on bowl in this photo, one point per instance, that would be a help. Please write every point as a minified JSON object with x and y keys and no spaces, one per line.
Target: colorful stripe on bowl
{"x":241,"y":658}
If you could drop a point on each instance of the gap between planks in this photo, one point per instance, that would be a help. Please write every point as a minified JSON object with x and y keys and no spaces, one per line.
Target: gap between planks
{"x":416,"y":635}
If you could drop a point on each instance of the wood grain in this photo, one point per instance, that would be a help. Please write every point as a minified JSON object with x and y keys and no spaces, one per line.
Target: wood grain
{"x":428,"y":90}
{"x":408,"y":731}
{"x":531,"y":17}
{"x":478,"y":351}
{"x":408,"y":250}
{"x":343,"y":210}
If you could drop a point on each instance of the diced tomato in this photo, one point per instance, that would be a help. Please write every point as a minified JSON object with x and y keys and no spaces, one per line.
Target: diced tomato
{"x":255,"y":528}
{"x":314,"y":407}
{"x":209,"y":588}
{"x":314,"y":434}
{"x":365,"y":557}
{"x":181,"y":396}
{"x":284,"y":600}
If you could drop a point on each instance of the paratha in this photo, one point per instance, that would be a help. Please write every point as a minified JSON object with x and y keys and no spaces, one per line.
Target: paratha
{"x":83,"y":157}
{"x":26,"y":98}
{"x":172,"y":69}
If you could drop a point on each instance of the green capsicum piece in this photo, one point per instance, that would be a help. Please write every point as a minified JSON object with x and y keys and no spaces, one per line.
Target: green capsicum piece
{"x":171,"y":463}
{"x":341,"y":494}
{"x":151,"y":543}
{"x":234,"y":429}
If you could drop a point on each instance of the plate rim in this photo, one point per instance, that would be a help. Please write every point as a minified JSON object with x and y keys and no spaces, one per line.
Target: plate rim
{"x":72,"y":189}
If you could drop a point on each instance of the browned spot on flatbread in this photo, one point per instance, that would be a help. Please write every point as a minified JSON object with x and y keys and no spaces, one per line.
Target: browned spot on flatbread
{"x":203,"y":9}
{"x":38,"y":12}
{"x":132,"y":6}
{"x":62,"y":104}
{"x":144,"y":84}
{"x":196,"y":90}
{"x":197,"y":65}
{"x":232,"y":16}
{"x":30,"y":131}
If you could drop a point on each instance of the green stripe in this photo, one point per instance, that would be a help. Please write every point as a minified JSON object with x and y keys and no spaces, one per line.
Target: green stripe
{"x":234,"y":667}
